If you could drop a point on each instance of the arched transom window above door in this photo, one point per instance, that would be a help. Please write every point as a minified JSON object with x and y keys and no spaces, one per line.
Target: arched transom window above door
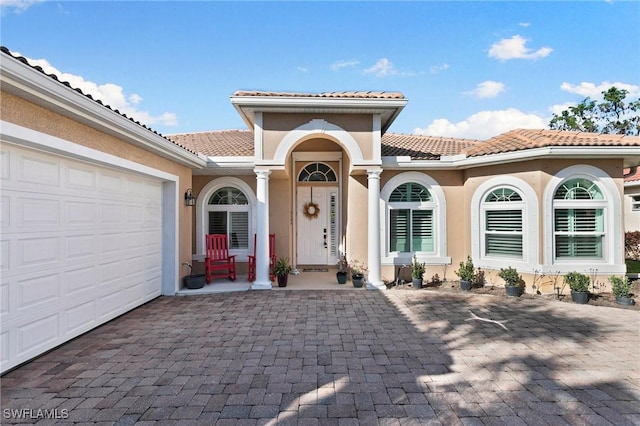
{"x":317,"y":172}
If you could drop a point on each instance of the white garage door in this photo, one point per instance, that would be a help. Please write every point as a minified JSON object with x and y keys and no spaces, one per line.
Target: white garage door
{"x":81,"y":244}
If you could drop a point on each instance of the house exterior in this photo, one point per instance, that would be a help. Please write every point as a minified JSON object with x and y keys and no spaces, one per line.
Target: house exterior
{"x":94,"y":219}
{"x":632,"y":200}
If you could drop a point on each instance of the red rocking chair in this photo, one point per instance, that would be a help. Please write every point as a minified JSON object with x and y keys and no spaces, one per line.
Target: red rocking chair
{"x":217,"y":262}
{"x":272,"y":258}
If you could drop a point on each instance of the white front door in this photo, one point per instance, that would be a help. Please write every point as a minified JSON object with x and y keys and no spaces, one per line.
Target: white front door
{"x":316,"y":237}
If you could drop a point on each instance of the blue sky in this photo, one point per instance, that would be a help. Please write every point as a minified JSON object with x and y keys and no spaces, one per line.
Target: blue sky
{"x":468,"y":69}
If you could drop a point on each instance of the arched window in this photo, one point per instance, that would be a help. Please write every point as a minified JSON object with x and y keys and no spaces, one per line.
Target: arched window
{"x":503,"y":210}
{"x":317,"y":172}
{"x":228,"y":213}
{"x":504,"y":224}
{"x":578,"y":219}
{"x":411,"y":227}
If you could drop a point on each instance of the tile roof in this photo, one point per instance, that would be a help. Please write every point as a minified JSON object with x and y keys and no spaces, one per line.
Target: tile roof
{"x":351,"y":94}
{"x":24,"y":60}
{"x":521,"y":139}
{"x":634,"y":176}
{"x":220,"y":143}
{"x":423,"y":147}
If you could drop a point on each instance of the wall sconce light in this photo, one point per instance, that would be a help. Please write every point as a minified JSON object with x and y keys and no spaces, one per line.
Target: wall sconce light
{"x":189,"y":199}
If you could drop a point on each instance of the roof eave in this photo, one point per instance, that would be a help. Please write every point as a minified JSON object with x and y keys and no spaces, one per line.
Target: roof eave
{"x":629,"y":155}
{"x":247,"y":106}
{"x":26,"y":82}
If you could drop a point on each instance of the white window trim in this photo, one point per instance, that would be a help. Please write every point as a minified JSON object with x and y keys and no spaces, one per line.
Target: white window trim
{"x":613,"y":244}
{"x":202,"y":214}
{"x":439,"y":205}
{"x":530,"y":231}
{"x":635,"y":202}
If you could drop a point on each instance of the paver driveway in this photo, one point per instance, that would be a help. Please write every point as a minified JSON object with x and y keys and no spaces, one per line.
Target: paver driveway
{"x":341,"y":358}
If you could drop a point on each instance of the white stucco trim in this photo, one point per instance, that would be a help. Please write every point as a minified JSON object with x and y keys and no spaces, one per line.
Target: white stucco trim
{"x":22,"y":136}
{"x":318,"y":127}
{"x":613,"y":249}
{"x":530,"y":231}
{"x":201,"y":219}
{"x":439,"y":257}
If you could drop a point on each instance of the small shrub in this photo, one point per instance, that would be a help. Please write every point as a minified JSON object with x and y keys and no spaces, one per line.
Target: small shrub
{"x":577,"y":282}
{"x":417,"y":268}
{"x":467,"y":271}
{"x":510,"y":276}
{"x":620,"y":286}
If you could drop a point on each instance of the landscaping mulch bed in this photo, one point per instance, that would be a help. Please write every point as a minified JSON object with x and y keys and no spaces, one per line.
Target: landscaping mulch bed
{"x":601,"y":299}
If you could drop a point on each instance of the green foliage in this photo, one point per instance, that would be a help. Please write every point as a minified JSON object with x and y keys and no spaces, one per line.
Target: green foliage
{"x":577,"y":282}
{"x":467,"y":271}
{"x":612,"y":116}
{"x":417,"y":269}
{"x":282,"y":266}
{"x":633,"y":266}
{"x":511,"y":277}
{"x":620,"y":286}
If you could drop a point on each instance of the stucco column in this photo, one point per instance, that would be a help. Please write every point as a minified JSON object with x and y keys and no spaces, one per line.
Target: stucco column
{"x":262,"y":281}
{"x":373,"y":227}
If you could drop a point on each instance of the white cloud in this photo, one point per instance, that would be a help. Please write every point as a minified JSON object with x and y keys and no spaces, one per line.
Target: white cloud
{"x":382,"y":68}
{"x":558,"y":108}
{"x":487,"y":89}
{"x":593,"y":90}
{"x":515,"y":48}
{"x":109,"y":94}
{"x":18,"y":6}
{"x":302,"y":69}
{"x":343,"y":64}
{"x":436,"y":69}
{"x":525,"y":24}
{"x":484,"y":124}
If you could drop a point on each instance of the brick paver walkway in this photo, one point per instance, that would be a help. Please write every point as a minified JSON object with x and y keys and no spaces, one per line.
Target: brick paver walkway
{"x":341,"y":358}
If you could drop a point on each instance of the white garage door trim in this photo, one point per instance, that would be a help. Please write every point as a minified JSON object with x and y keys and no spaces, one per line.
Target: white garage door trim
{"x":41,"y":307}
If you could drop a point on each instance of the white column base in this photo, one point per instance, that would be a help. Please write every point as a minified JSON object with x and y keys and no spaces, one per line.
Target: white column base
{"x":376,"y":286}
{"x":261,"y":285}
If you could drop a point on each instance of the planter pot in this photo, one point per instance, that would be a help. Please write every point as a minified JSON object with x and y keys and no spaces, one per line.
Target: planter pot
{"x":282,"y":280}
{"x":581,"y":297}
{"x":513,"y":290}
{"x":341,"y":277}
{"x":194,"y":281}
{"x":417,"y":282}
{"x":621,"y":300}
{"x":357,"y":280}
{"x":465,"y":285}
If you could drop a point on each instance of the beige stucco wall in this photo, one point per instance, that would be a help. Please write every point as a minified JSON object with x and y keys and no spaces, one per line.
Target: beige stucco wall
{"x":276,"y":127}
{"x":20,"y":112}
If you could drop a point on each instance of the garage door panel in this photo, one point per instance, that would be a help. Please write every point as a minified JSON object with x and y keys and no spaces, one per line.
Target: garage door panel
{"x":36,"y":291}
{"x":33,"y":335}
{"x":81,"y":244}
{"x":37,"y":252}
{"x":79,"y":318}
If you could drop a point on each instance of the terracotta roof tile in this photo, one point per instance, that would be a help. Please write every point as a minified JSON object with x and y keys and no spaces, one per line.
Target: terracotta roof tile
{"x":423,"y":147}
{"x":517,"y":140}
{"x":221,"y":143}
{"x":350,"y":94}
{"x":634,"y":177}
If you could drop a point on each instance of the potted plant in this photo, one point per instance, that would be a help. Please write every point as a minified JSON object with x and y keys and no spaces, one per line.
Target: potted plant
{"x":579,"y":285}
{"x":513,"y":283}
{"x":281,"y":269}
{"x":341,"y":275}
{"x":357,"y":273}
{"x":193,"y":281}
{"x":621,"y":288}
{"x":417,"y":272}
{"x":466,"y":273}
